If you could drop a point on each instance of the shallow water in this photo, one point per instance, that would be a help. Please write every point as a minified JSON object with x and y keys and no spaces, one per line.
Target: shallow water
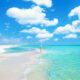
{"x":18,"y":49}
{"x":64,"y":62}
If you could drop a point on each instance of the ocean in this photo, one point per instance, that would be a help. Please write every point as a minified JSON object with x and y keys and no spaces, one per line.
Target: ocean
{"x":63,"y":61}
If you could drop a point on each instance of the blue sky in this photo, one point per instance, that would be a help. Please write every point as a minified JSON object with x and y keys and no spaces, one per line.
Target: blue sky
{"x":31,"y":22}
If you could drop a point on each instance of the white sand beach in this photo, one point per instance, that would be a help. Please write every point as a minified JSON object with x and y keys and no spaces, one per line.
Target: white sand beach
{"x":14,"y":65}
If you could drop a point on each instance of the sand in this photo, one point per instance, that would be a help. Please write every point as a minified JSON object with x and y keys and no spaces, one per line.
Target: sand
{"x":14,"y":66}
{"x":38,"y":73}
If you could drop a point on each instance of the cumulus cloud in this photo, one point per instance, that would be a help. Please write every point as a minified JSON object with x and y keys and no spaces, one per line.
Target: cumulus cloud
{"x":50,"y":22}
{"x":44,"y":35}
{"x":70,"y":29}
{"x":70,"y":36}
{"x":40,"y":33}
{"x":73,"y":28}
{"x":75,"y":11}
{"x":34,"y":30}
{"x":76,"y":23}
{"x":34,"y":15}
{"x":47,"y":3}
{"x":63,"y":30}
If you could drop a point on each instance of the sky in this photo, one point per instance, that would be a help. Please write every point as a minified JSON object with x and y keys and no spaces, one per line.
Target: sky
{"x":31,"y":22}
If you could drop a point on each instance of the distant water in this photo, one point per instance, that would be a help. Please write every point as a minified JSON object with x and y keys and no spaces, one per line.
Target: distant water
{"x":63,"y":61}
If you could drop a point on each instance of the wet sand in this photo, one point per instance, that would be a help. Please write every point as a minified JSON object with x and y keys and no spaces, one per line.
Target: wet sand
{"x":38,"y":73}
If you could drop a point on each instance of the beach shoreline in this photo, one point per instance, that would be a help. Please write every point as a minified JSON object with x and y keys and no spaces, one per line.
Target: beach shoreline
{"x":16,"y":66}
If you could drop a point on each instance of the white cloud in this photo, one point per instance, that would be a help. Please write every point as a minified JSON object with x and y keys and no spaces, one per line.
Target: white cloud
{"x":75,"y":11}
{"x":64,"y":30}
{"x":76,"y":23}
{"x":34,"y":15}
{"x":70,"y":29}
{"x":33,"y":30}
{"x":28,"y":37}
{"x":73,"y":28}
{"x":70,"y":36}
{"x":56,"y":39}
{"x":44,"y":35}
{"x":47,"y":3}
{"x":40,"y":33}
{"x":50,"y":23}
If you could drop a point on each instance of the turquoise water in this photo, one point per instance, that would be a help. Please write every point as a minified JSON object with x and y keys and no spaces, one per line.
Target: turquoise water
{"x":19,"y":49}
{"x":15,"y":50}
{"x":63,"y":61}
